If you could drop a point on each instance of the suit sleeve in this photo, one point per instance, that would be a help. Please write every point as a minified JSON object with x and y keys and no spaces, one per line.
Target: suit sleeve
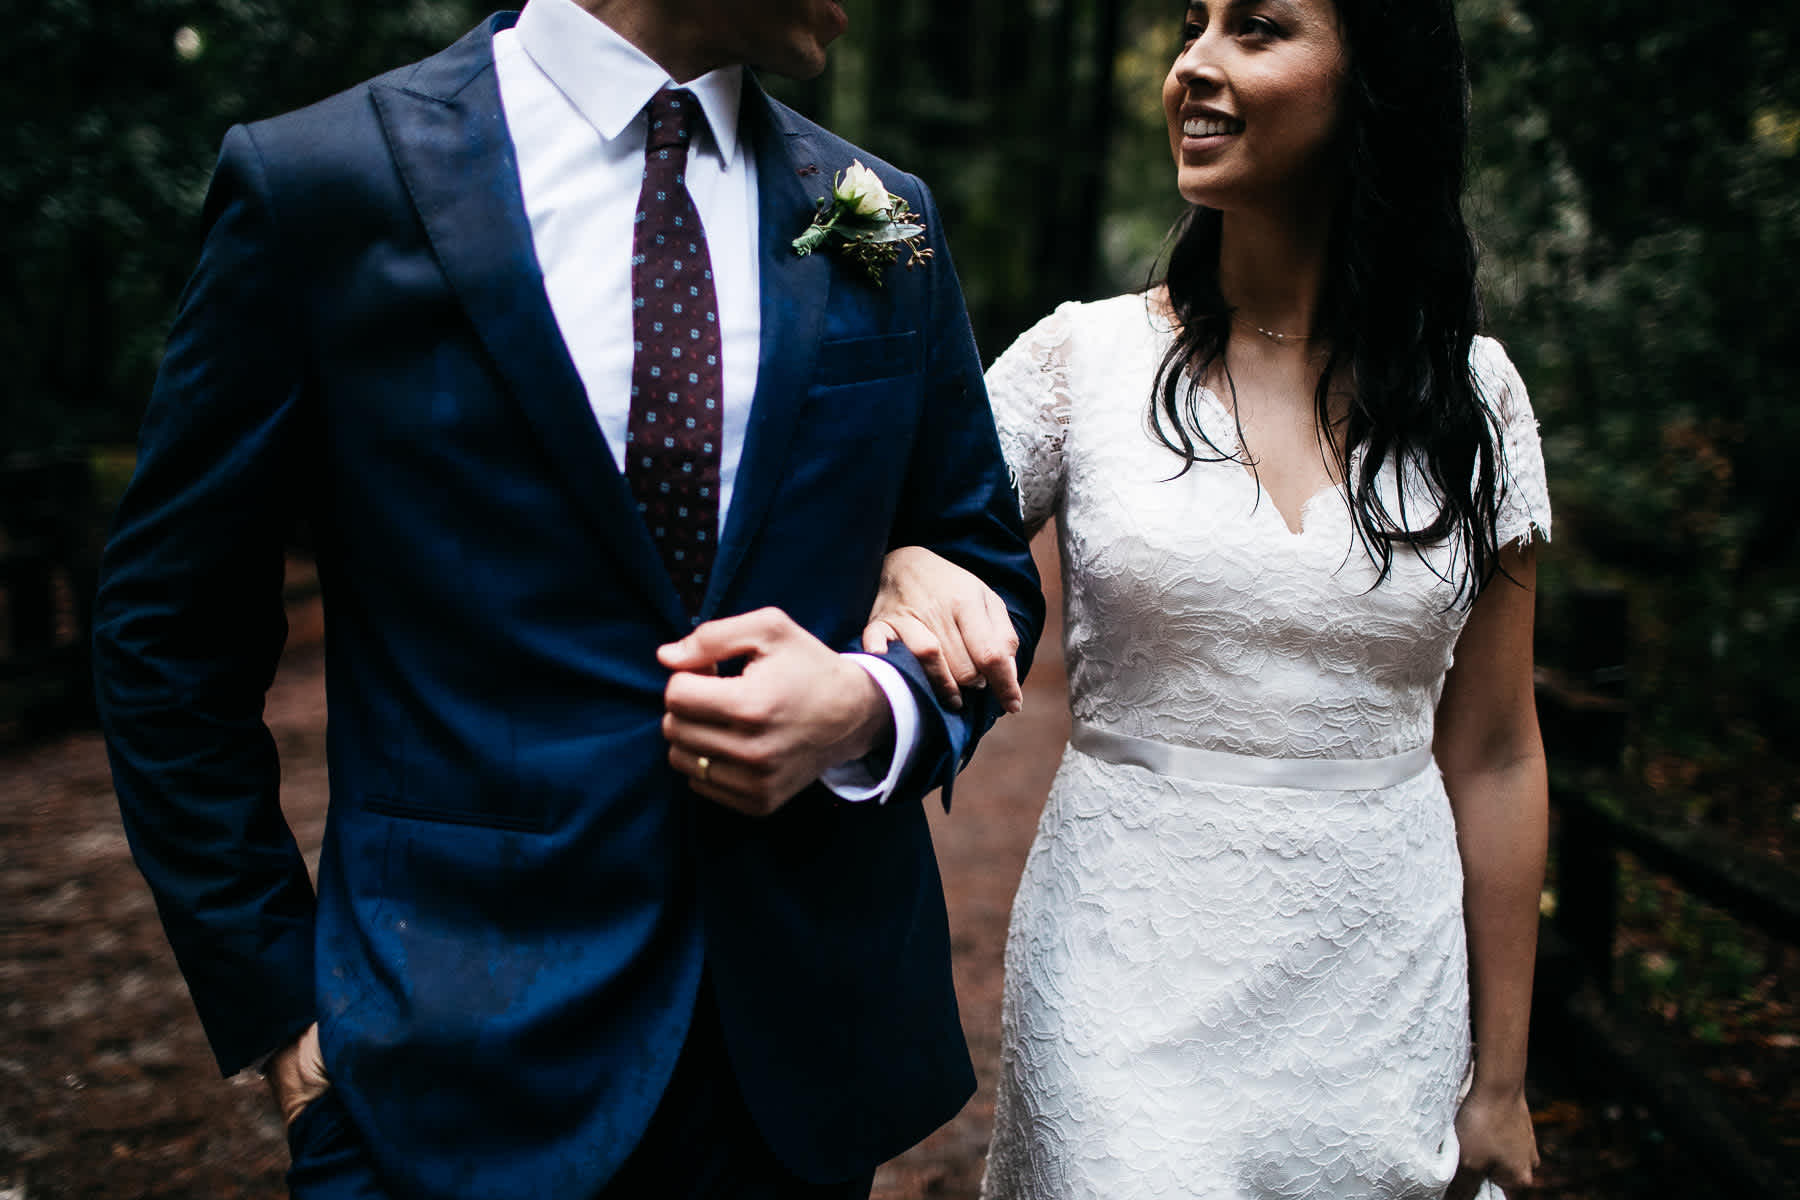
{"x":959,"y":503}
{"x":188,"y":628}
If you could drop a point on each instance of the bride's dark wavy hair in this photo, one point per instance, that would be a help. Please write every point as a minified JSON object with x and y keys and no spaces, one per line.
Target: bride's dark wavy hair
{"x":1399,"y":307}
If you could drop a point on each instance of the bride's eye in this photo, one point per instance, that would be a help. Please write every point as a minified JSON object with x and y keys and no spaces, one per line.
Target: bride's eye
{"x":1260,"y":29}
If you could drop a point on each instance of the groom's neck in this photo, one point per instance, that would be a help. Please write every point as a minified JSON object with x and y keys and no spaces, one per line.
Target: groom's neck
{"x":680,"y":36}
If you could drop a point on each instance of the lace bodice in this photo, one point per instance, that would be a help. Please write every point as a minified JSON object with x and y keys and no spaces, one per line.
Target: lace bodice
{"x":1193,"y":614}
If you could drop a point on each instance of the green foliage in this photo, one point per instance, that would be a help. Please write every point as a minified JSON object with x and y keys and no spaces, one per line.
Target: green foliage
{"x":1638,"y":194}
{"x":1142,"y":203}
{"x":1011,"y":113}
{"x":108,"y":130}
{"x":1697,"y":969}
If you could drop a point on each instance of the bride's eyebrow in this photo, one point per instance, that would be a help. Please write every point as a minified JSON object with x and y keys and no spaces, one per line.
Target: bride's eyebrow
{"x":1200,"y":7}
{"x":1285,"y":8}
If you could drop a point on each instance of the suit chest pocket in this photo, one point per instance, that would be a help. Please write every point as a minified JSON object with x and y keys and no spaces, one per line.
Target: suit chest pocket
{"x":864,"y":400}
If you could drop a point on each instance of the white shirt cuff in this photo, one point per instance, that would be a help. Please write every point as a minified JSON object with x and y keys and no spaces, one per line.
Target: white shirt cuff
{"x":855,"y":780}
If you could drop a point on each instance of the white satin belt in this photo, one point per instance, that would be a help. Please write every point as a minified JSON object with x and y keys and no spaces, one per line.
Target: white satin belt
{"x":1218,"y":766}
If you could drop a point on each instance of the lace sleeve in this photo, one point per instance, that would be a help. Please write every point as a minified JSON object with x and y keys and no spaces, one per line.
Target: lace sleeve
{"x":1028,"y":387}
{"x":1525,"y":493}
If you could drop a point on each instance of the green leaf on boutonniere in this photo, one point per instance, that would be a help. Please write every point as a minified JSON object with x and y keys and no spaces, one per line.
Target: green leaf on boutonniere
{"x":866,"y":224}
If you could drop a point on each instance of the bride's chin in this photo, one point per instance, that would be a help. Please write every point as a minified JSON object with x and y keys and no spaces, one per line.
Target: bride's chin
{"x":1201,"y":196}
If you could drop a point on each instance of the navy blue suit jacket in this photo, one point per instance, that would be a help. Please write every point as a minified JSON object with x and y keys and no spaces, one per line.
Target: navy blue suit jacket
{"x":516,"y":894}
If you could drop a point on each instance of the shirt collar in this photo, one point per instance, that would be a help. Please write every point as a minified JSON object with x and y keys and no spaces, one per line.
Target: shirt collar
{"x":609,"y":80}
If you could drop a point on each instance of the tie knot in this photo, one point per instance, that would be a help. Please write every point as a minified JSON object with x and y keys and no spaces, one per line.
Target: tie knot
{"x":674,"y":115}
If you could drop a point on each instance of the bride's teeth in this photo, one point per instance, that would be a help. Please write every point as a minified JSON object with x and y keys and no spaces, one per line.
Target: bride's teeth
{"x":1196,"y":127}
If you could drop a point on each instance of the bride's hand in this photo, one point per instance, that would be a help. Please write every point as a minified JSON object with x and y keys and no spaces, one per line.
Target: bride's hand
{"x":952,"y":622}
{"x":1497,"y":1143}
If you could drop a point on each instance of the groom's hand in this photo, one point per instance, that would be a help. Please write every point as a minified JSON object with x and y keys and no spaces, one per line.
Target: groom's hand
{"x":753,"y":741}
{"x":296,"y":1074}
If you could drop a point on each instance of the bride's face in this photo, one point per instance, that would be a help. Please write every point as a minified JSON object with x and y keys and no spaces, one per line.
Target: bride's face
{"x":1253,"y":102}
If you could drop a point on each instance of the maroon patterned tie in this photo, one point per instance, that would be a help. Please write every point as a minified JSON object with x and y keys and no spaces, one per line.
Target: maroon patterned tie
{"x":672,"y":433}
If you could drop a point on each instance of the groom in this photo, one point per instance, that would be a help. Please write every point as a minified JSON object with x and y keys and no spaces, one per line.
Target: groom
{"x":626,"y":886}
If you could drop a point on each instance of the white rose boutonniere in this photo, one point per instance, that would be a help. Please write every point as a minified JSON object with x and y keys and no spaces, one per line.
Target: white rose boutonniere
{"x":863,"y":191}
{"x":865,"y":223}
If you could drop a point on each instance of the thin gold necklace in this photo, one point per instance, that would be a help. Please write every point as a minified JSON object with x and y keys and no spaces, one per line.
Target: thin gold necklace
{"x":1272,"y":335}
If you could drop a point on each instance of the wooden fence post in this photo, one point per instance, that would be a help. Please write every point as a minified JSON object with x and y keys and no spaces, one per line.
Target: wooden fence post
{"x":49,"y":552}
{"x":1585,"y":734}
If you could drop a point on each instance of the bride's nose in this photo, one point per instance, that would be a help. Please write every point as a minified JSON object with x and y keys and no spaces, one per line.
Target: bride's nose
{"x":1197,"y":66}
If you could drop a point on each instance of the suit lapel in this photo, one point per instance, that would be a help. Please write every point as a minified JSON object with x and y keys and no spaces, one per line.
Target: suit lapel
{"x":794,"y":292}
{"x":448,"y":136}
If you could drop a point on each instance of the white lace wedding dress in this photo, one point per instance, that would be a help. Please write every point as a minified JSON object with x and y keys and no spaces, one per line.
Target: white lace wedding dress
{"x":1230,"y":974}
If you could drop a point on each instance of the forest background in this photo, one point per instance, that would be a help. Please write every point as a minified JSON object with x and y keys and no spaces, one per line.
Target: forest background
{"x":1635,"y":188}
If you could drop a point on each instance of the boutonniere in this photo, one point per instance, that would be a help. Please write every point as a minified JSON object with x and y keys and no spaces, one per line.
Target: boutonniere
{"x":866,"y":224}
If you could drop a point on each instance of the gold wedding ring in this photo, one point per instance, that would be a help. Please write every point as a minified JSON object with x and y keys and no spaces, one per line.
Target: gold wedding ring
{"x":704,"y":765}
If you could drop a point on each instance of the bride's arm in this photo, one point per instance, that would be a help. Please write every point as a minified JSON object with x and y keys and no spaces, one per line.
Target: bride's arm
{"x":1492,"y":756}
{"x":954,"y":625}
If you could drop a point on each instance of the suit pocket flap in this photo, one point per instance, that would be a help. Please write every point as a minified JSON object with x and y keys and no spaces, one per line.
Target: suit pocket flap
{"x":426,"y":788}
{"x":865,"y":359}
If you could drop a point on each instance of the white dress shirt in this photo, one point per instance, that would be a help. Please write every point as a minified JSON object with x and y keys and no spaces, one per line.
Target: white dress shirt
{"x":574,"y":93}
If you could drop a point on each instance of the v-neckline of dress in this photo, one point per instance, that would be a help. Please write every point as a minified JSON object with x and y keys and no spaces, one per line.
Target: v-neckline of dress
{"x":1228,"y":428}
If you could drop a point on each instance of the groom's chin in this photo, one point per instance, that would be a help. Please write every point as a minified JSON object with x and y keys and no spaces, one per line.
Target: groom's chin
{"x":799,"y":51}
{"x":799,"y":64}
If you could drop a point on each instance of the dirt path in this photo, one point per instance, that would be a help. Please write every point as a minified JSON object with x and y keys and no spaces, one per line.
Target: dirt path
{"x":107,"y":1088}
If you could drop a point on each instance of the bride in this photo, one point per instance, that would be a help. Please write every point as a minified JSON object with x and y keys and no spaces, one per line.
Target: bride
{"x":1297,"y":839}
